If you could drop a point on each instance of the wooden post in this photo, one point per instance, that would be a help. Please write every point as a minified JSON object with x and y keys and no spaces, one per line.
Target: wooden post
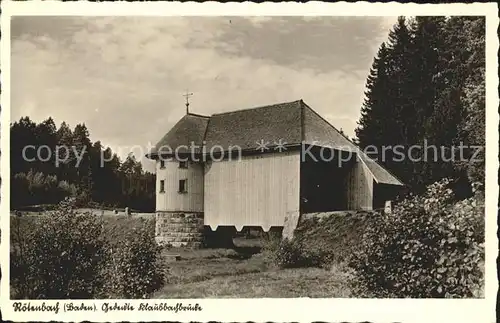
{"x":388,"y":207}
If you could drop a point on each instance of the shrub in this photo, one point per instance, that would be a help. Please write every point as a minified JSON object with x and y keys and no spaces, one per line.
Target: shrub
{"x":430,"y":246}
{"x":291,"y":254}
{"x":66,"y":190}
{"x":321,"y":242}
{"x":38,"y":188}
{"x":64,"y":254}
{"x":271,"y":241}
{"x":60,"y":256}
{"x":134,"y":269}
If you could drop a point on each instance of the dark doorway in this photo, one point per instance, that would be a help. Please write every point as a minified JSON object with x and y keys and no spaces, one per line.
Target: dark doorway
{"x":384,"y":192}
{"x":323,"y":174}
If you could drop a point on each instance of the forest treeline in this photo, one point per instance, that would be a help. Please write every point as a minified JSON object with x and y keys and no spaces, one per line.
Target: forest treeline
{"x":427,"y":84}
{"x":79,"y":173}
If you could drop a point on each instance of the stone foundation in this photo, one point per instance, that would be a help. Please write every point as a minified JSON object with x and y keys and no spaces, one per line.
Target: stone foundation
{"x":179,"y":229}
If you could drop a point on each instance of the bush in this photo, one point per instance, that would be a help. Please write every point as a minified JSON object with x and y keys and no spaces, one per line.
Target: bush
{"x":321,"y":242}
{"x":292,"y":254}
{"x":64,"y":254}
{"x":61,"y":256}
{"x":430,"y":246}
{"x":271,"y":241}
{"x":134,"y":269}
{"x":37,"y":188}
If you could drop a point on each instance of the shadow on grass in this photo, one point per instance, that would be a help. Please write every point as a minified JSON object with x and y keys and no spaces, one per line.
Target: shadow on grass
{"x":243,"y":253}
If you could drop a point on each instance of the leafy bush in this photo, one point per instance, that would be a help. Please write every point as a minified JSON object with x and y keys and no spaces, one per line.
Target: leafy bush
{"x":133,"y":266}
{"x":292,"y":254}
{"x":321,"y":242}
{"x":66,"y":189}
{"x":37,"y":188}
{"x":430,"y":246}
{"x":351,"y":279}
{"x":59,"y":257}
{"x":64,"y":254}
{"x":271,"y":241}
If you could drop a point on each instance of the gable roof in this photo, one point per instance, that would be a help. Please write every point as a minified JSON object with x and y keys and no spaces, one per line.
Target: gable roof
{"x":246,"y":128}
{"x":319,"y":132}
{"x":186,"y":132}
{"x":293,"y":123}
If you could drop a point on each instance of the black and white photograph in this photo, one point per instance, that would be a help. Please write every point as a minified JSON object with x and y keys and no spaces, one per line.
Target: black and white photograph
{"x":195,"y":157}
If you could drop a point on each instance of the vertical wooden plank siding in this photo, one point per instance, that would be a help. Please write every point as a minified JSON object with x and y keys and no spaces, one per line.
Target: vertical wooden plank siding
{"x":359,"y":187}
{"x":254,"y":191}
{"x":171,"y":199}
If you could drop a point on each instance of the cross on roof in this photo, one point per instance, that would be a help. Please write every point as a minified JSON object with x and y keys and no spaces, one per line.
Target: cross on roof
{"x":187,"y":95}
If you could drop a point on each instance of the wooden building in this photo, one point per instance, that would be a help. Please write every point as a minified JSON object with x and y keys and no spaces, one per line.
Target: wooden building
{"x":254,"y":167}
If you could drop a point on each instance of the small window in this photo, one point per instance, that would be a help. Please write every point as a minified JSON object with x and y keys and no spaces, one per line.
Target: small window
{"x":162,"y":163}
{"x":183,"y":186}
{"x":183,"y":164}
{"x":162,"y":186}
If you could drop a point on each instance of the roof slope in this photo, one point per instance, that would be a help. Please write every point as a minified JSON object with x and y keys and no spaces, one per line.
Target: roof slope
{"x":381,"y":175}
{"x":190,"y":129}
{"x":246,"y":128}
{"x":319,"y":132}
{"x":289,"y":123}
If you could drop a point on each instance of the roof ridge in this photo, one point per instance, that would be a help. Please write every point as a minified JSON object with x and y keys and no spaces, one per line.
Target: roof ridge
{"x":197,"y":115}
{"x":302,"y":117}
{"x":255,"y":108}
{"x":332,"y":126}
{"x":204,"y":138}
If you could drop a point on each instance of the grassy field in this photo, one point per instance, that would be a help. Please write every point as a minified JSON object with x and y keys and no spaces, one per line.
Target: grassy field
{"x":245,"y":272}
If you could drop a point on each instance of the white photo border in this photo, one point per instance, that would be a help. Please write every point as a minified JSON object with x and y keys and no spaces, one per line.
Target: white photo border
{"x":270,"y":309}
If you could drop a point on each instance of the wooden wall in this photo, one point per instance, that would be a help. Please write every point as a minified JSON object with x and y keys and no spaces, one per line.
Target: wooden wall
{"x":255,"y":191}
{"x":359,"y":187}
{"x":171,"y":199}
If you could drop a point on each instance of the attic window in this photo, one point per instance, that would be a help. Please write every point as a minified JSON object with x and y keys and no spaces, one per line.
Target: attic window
{"x":162,"y":164}
{"x":162,"y":186}
{"x":183,"y":164}
{"x":183,"y":186}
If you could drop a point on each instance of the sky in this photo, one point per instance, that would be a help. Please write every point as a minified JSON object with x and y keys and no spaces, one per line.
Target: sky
{"x":124,"y":77}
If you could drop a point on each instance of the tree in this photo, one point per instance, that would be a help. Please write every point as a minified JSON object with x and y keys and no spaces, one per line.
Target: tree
{"x":86,"y":170}
{"x":472,"y":127}
{"x":46,"y":140}
{"x":388,"y":107}
{"x":66,"y":167}
{"x":82,"y":146}
{"x":426,"y":86}
{"x":22,"y":135}
{"x":370,"y":125}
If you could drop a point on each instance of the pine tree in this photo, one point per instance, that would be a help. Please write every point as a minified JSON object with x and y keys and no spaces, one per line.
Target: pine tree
{"x":388,"y":106}
{"x":99,"y":177}
{"x":83,"y":146}
{"x":427,"y":84}
{"x":22,"y":135}
{"x":46,"y":137}
{"x":469,"y":32}
{"x":65,"y":166}
{"x":370,"y":125}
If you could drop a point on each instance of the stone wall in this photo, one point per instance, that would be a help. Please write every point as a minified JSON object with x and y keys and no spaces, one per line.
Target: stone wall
{"x":179,"y":229}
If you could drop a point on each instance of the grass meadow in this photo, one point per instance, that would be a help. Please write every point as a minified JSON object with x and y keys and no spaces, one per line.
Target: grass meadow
{"x":245,"y":271}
